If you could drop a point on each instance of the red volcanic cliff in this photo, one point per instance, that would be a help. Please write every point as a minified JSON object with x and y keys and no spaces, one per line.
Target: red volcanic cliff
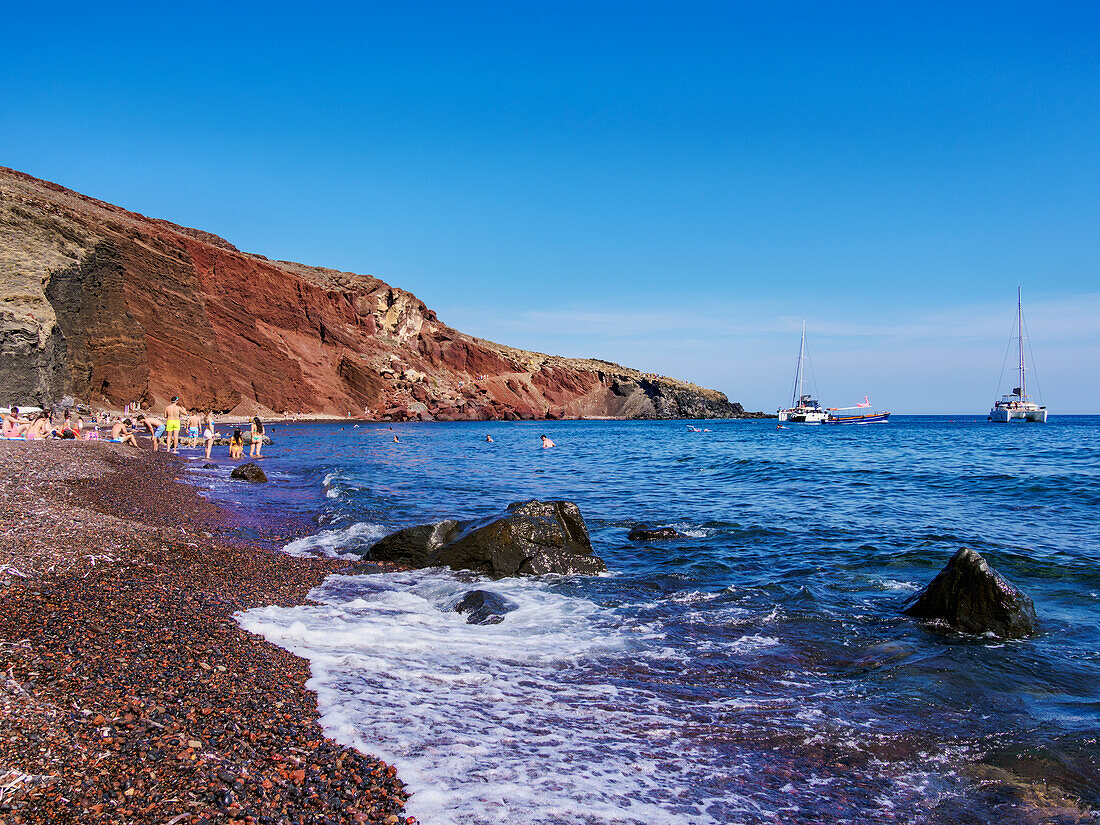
{"x":108,"y":305}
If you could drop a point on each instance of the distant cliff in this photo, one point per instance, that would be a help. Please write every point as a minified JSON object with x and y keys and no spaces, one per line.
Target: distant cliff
{"x":108,"y":305}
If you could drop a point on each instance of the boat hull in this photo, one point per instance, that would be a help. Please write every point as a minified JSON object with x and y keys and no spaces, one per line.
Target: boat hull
{"x":803,"y":416}
{"x":1006,"y":415}
{"x":872,"y":418}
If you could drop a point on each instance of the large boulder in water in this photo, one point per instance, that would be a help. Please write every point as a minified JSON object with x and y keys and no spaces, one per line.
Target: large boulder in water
{"x":970,"y":596}
{"x":249,"y":472}
{"x":413,"y":546}
{"x":484,"y":607}
{"x":529,"y":538}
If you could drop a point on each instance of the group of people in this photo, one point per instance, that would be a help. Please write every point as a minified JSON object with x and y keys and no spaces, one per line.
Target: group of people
{"x":124,"y":430}
{"x":41,"y":425}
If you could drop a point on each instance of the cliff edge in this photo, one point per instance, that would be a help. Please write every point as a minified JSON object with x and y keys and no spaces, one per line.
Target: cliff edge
{"x":110,"y":306}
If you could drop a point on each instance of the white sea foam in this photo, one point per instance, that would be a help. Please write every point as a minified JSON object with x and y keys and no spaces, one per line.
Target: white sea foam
{"x":332,"y":485}
{"x":493,"y":723}
{"x":337,"y":543}
{"x":558,"y":715}
{"x":892,"y":584}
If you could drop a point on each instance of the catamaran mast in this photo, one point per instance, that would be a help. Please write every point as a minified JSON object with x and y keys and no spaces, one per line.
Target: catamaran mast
{"x":1020,"y":333}
{"x":798,"y":380}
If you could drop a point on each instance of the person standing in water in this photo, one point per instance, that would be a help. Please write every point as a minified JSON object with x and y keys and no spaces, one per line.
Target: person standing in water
{"x":546,"y":442}
{"x":256,"y":450}
{"x":194,"y":421}
{"x":172,"y":414}
{"x":208,"y":432}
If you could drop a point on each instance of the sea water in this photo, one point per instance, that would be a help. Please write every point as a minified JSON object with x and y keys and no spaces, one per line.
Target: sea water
{"x":755,"y":670}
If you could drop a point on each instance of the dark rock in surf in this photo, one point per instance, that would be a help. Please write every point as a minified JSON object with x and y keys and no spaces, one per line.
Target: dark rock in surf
{"x":529,"y":538}
{"x":413,"y":546}
{"x":249,"y":472}
{"x":643,"y":533}
{"x":484,"y":607}
{"x":971,"y":597}
{"x":210,"y":466}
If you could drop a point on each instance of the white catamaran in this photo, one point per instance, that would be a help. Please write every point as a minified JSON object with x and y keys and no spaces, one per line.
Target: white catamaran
{"x":1018,"y":406}
{"x":803,"y":409}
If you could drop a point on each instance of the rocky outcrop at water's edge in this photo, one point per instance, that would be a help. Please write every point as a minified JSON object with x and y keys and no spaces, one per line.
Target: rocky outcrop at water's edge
{"x":110,"y":306}
{"x":530,"y":538}
{"x":969,"y":596}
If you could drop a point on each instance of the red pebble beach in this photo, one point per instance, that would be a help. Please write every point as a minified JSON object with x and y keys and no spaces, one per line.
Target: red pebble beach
{"x":129,"y":692}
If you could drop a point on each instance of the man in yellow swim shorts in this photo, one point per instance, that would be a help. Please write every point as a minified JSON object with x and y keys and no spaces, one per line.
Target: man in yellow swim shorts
{"x":172,"y":414}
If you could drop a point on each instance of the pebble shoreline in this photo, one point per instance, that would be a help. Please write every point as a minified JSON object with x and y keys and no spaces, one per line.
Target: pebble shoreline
{"x":129,"y":693}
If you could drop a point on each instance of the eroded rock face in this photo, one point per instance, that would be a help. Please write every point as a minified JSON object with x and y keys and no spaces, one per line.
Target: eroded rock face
{"x":971,"y":597}
{"x":529,"y":538}
{"x":249,"y":472}
{"x":484,"y":607}
{"x":109,"y":305}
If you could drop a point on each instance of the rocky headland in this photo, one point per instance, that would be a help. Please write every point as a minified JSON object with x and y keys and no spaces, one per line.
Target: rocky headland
{"x":112,"y":307}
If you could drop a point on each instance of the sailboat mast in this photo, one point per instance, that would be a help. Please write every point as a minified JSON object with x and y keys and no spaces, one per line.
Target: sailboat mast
{"x":1020,"y":332}
{"x":798,"y":381}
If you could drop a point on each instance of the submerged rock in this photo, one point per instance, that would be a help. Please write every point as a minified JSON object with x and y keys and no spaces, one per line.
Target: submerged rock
{"x":970,"y":596}
{"x":210,"y":466}
{"x":484,"y":607}
{"x":249,"y":472}
{"x":529,"y":538}
{"x":643,"y":533}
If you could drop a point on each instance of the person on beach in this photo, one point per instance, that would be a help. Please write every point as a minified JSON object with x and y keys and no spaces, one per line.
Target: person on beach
{"x":68,"y":430}
{"x":208,"y":432}
{"x":155,"y":427}
{"x":236,"y":444}
{"x":13,"y":425}
{"x":546,"y":442}
{"x":40,"y":427}
{"x":194,"y":421}
{"x":257,"y":448}
{"x":121,"y":432}
{"x":172,"y":414}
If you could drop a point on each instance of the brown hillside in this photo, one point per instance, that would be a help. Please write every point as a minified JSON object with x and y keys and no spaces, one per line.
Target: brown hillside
{"x":108,"y":305}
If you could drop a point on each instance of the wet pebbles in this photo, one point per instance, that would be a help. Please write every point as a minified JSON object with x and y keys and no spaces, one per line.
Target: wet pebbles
{"x":128,"y":692}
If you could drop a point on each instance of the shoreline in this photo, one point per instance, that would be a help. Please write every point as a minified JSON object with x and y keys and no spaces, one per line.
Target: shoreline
{"x":130,"y":694}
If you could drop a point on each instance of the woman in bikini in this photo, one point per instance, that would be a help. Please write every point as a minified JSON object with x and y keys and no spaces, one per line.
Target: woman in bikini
{"x":236,"y":444}
{"x":257,"y":438}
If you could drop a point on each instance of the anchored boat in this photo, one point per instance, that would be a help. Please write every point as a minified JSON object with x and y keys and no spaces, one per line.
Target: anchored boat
{"x":804,"y":409}
{"x":859,"y":414}
{"x":1018,"y":406}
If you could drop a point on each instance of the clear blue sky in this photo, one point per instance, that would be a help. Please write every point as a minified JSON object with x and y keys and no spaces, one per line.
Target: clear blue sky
{"x":667,"y":185}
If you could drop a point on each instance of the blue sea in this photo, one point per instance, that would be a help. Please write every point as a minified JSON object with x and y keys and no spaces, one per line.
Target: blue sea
{"x":756,"y":670}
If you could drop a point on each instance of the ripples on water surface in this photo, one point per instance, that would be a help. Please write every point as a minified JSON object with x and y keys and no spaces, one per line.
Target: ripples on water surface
{"x":756,"y":671}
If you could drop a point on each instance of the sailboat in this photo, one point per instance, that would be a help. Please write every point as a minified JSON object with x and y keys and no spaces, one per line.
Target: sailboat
{"x":804,"y":409}
{"x":1018,"y":406}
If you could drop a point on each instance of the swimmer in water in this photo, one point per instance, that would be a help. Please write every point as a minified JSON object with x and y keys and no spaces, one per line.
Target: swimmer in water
{"x":396,"y":440}
{"x":489,"y":438}
{"x":546,"y":442}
